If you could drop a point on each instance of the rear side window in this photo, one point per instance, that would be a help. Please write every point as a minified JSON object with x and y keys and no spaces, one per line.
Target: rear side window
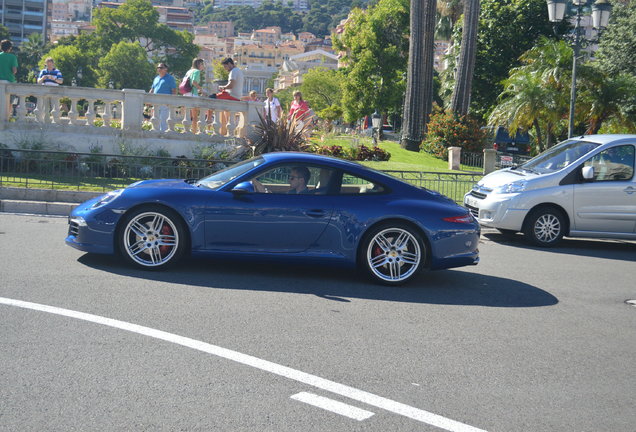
{"x":354,"y":185}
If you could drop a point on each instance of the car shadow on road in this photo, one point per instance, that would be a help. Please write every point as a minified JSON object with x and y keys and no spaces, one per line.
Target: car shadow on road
{"x":609,"y":249}
{"x":445,"y":287}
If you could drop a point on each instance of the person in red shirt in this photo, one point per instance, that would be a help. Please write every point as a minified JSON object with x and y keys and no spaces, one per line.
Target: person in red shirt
{"x":299,"y":109}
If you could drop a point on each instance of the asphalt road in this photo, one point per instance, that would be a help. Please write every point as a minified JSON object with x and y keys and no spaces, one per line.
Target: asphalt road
{"x":528,"y":340}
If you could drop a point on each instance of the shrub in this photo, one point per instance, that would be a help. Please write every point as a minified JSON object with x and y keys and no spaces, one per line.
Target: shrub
{"x":451,"y":130}
{"x":283,"y":135}
{"x":360,"y":153}
{"x":364,"y":153}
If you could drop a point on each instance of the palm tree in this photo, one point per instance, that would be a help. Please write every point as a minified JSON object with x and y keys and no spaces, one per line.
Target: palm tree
{"x":536,"y":93}
{"x":419,"y":85}
{"x":603,"y":97}
{"x":463,"y":83}
{"x":448,"y":13}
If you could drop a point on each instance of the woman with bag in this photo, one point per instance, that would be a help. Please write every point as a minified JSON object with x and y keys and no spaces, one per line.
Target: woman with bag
{"x":194,"y":78}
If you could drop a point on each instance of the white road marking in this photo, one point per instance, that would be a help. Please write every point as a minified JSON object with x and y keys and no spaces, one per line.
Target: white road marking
{"x":333,"y":406}
{"x":264,"y":365}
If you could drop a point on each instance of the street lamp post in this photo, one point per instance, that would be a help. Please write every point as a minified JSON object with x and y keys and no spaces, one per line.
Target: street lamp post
{"x":601,"y":10}
{"x":376,"y":125}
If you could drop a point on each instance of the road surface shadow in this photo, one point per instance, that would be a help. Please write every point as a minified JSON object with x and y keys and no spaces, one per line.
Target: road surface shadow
{"x":623,"y":250}
{"x":451,"y":287}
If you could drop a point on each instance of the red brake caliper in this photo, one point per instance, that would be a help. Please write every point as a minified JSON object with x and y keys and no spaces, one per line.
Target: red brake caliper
{"x":165,"y":230}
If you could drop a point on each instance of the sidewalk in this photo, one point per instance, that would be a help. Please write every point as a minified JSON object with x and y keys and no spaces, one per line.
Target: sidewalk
{"x":42,"y":201}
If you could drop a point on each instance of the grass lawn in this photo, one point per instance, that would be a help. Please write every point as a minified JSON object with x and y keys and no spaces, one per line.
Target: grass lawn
{"x":401,"y":159}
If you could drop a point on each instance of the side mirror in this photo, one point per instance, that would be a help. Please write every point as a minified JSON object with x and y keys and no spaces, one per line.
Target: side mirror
{"x":243,"y":188}
{"x":587,"y":172}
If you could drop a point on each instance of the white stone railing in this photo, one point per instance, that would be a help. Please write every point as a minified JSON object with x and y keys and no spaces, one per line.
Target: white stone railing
{"x":123,"y":110}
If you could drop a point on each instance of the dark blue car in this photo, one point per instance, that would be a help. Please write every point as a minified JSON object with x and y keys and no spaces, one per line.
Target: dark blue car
{"x":295,"y":207}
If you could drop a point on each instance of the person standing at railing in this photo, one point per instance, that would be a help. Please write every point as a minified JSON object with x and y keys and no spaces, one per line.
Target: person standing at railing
{"x":8,"y":62}
{"x":195,"y":78}
{"x":8,"y":68}
{"x":233,"y":90}
{"x":50,"y":76}
{"x":164,"y":83}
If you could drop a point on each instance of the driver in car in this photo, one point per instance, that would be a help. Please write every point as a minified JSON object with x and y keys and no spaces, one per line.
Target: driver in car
{"x":298,"y":179}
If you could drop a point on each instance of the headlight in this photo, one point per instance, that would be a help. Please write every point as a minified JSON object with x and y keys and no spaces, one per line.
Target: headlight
{"x":105,"y":199}
{"x":515,"y":187}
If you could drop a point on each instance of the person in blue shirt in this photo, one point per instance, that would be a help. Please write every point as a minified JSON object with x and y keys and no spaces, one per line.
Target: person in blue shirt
{"x":164,"y":83}
{"x":50,"y":75}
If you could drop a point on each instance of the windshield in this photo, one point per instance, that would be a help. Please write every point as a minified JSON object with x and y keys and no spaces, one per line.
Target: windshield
{"x":220,"y":178}
{"x":558,"y":157}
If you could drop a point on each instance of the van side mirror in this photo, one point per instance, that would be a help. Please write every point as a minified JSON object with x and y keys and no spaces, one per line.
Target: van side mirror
{"x":243,"y":188}
{"x":587,"y":172}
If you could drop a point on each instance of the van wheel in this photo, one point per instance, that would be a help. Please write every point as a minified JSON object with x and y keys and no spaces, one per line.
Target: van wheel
{"x":545,"y":227}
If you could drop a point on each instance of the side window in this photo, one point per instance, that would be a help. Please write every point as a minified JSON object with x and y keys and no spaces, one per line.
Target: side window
{"x":613,"y":164}
{"x":354,"y":185}
{"x":295,"y":179}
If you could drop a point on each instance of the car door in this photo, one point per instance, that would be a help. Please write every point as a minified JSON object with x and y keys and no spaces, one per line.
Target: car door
{"x":608,"y":202}
{"x":271,"y":221}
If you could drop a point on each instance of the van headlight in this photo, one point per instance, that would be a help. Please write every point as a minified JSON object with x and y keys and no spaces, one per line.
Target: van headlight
{"x":105,"y":199}
{"x":514,"y":187}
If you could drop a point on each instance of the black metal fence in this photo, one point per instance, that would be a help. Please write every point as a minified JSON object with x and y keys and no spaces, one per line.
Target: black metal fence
{"x":94,"y":171}
{"x":103,"y":172}
{"x":453,"y":185}
{"x":475,"y":160}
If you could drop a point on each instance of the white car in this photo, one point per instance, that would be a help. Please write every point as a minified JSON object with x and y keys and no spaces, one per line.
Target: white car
{"x":582,"y":187}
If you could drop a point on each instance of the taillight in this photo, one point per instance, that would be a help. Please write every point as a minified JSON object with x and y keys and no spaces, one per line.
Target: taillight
{"x":495,"y":146}
{"x":467,"y":218}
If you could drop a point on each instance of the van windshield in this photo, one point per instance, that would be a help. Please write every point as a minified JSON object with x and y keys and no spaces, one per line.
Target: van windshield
{"x":559,"y":156}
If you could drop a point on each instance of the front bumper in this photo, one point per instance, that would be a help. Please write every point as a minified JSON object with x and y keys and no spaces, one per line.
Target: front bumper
{"x":92,"y":230}
{"x":496,"y":211}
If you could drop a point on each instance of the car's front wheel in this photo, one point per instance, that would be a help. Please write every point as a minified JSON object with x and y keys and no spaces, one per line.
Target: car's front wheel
{"x":152,"y":237}
{"x":545,"y":227}
{"x":393,"y":254}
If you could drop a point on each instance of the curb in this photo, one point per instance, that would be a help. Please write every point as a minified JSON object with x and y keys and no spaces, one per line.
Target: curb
{"x":42,"y":201}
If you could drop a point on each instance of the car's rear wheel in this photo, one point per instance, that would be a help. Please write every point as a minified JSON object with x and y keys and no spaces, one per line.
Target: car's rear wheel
{"x":545,"y":227}
{"x":393,"y":254}
{"x":152,"y":237}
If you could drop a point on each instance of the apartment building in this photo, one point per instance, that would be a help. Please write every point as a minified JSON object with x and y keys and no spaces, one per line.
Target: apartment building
{"x":23,"y":17}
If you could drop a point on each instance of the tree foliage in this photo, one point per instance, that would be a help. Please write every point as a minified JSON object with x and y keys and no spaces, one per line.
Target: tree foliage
{"x":137,"y":74}
{"x":618,"y":43}
{"x":321,"y":88}
{"x":135,"y":22}
{"x":376,"y":56}
{"x":29,"y":57}
{"x":320,"y":19}
{"x":507,"y":28}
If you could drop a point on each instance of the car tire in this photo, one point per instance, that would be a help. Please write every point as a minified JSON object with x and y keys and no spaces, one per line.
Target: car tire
{"x":545,"y":227}
{"x":152,"y":237}
{"x":392,"y":254}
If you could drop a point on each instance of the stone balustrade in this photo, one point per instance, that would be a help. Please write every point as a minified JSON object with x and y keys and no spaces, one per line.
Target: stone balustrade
{"x":82,"y":117}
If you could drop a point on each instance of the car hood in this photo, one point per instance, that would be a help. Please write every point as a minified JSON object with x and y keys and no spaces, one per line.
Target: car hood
{"x":162,"y":184}
{"x":505,"y":176}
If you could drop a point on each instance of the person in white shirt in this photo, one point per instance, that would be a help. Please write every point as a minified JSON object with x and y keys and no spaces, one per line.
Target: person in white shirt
{"x":235,"y":79}
{"x":273,"y":109}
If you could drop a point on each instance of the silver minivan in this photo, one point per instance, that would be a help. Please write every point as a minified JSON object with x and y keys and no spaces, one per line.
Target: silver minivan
{"x":582,"y":187}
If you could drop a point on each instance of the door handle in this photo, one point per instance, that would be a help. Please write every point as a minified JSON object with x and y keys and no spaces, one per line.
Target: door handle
{"x":630,"y":190}
{"x":316,"y":213}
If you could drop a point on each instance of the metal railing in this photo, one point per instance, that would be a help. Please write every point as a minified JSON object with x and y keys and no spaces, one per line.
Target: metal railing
{"x":453,"y":185}
{"x":472,"y":159}
{"x":45,"y":169}
{"x":94,"y":171}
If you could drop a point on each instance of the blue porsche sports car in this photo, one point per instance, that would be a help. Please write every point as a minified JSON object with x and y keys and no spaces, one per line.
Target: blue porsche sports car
{"x":289,"y":206}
